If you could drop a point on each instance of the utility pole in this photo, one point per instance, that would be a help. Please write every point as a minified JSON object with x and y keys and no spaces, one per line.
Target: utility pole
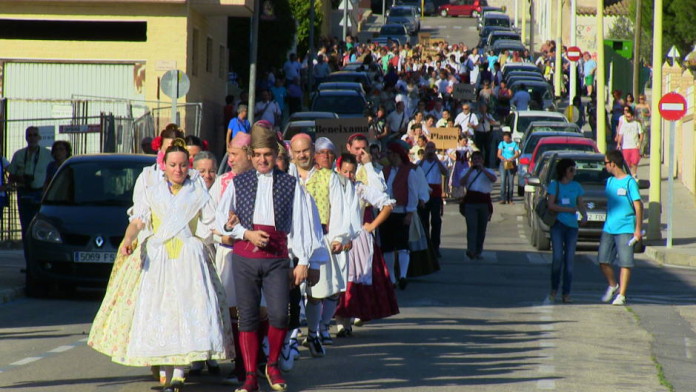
{"x":573,"y":91}
{"x":655,"y":194}
{"x":310,"y":60}
{"x":636,"y":48}
{"x":345,"y":19}
{"x":558,"y":72}
{"x":531,"y":27}
{"x":601,"y":81}
{"x":524,"y":24}
{"x":253,"y":54}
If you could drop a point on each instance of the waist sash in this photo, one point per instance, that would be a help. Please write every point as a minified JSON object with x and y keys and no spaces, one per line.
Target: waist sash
{"x":277,"y":247}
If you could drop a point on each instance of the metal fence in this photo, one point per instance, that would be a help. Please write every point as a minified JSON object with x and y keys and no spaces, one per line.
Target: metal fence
{"x":91,"y":124}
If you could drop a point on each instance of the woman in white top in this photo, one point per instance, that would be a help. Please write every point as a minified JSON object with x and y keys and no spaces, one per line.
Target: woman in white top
{"x":477,"y":204}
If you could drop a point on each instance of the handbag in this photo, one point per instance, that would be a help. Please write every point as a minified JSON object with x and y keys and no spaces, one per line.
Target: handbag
{"x":638,"y":246}
{"x":509,"y":165}
{"x":462,"y":204}
{"x":543,"y":211}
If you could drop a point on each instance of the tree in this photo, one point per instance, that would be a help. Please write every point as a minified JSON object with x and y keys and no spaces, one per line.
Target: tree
{"x":300,"y":11}
{"x":678,"y":26}
{"x":622,"y":29}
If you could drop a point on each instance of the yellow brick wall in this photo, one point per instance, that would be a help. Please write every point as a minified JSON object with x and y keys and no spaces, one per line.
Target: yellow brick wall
{"x":169,"y":38}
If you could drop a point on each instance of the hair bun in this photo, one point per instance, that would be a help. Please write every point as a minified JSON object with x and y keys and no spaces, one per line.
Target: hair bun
{"x":179,"y":142}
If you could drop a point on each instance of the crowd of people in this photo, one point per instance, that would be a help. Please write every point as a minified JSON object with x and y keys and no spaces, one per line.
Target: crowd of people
{"x":202,"y":273}
{"x":220,"y":267}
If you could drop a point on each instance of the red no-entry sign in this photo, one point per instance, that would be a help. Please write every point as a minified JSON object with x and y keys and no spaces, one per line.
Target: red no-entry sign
{"x":672,"y":106}
{"x":574,"y":53}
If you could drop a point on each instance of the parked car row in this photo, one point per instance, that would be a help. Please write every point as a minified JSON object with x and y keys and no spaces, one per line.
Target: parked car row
{"x":544,"y":144}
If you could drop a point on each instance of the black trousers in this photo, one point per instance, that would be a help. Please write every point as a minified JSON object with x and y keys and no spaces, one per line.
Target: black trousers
{"x":250,"y":277}
{"x":295,"y":298}
{"x":431,"y":218}
{"x":483,"y":141}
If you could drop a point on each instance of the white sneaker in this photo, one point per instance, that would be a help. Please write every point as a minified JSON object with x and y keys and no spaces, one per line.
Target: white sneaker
{"x":609,"y":294}
{"x":619,"y":300}
{"x":287,"y":358}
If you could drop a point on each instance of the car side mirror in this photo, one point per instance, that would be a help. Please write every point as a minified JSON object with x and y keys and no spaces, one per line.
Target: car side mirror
{"x":643,"y":184}
{"x":533,"y":181}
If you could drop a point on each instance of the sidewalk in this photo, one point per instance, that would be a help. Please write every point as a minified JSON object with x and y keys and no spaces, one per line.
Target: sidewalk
{"x":683,"y":251}
{"x":11,"y":275}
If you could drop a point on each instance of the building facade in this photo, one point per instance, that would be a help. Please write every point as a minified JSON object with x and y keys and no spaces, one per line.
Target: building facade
{"x":53,"y":50}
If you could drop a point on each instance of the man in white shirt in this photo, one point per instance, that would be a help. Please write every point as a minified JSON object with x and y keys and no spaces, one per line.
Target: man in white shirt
{"x":272,"y":218}
{"x":431,"y":212}
{"x":28,"y":171}
{"x":467,"y":120}
{"x":323,"y":186}
{"x":396,"y":125}
{"x":402,"y":186}
{"x":267,"y":109}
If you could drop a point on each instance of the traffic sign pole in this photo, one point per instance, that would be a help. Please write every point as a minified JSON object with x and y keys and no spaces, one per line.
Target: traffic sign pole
{"x":573,"y":41}
{"x":670,"y":182}
{"x":672,"y":108}
{"x":174,"y":92}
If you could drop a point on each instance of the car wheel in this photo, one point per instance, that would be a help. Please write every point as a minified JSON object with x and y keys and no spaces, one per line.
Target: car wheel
{"x":35,"y":288}
{"x":542,"y":243}
{"x":443,"y":13}
{"x":520,"y":190}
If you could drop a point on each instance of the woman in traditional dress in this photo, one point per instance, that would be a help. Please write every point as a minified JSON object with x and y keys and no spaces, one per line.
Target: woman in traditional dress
{"x":111,"y":326}
{"x":369,"y":294}
{"x":179,"y":315}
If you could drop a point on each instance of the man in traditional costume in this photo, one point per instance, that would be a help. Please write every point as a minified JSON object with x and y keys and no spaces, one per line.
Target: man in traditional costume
{"x":402,"y":185}
{"x":239,"y":159}
{"x":275,"y":214}
{"x":323,"y":185}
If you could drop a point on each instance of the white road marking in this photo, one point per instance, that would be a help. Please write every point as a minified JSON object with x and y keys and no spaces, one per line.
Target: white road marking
{"x":523,"y":236}
{"x":520,"y":218}
{"x":547,"y":344}
{"x":61,"y":349}
{"x":546,"y":318}
{"x":25,"y":361}
{"x":687,"y":344}
{"x":546,"y":384}
{"x":457,"y":27}
{"x":547,"y":327}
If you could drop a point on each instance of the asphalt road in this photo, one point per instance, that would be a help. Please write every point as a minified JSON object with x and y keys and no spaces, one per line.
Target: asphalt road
{"x":474,"y":326}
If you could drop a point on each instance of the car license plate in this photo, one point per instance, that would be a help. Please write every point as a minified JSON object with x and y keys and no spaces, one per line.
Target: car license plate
{"x":95,"y":257}
{"x":594,"y":216}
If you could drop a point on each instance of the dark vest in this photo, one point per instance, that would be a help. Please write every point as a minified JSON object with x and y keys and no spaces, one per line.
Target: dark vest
{"x":400,"y":184}
{"x":245,"y":186}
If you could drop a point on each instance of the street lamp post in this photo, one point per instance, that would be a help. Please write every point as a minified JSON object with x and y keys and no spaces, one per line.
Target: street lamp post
{"x":558,"y":72}
{"x":601,"y":80}
{"x":655,"y":195}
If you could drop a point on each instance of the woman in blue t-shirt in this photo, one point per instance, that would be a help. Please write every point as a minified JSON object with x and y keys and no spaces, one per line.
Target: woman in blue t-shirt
{"x":508,"y":151}
{"x":565,"y":197}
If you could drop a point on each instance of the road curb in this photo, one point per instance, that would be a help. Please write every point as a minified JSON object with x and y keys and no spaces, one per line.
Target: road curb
{"x":9,"y":295}
{"x":664,"y":256}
